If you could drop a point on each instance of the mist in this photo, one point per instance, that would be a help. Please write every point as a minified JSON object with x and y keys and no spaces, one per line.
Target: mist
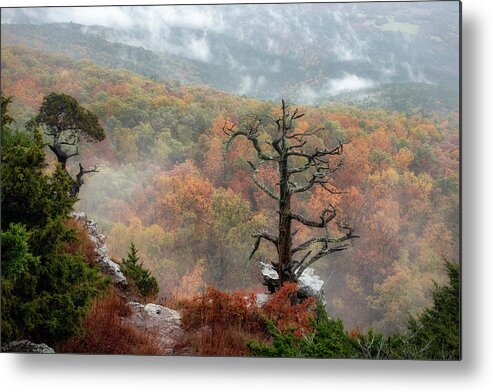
{"x":304,"y":52}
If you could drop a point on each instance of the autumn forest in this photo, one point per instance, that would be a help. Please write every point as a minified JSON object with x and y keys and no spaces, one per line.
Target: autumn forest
{"x":219,"y":204}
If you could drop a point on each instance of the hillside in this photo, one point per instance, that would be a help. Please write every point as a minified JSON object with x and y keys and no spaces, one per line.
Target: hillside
{"x":164,"y":178}
{"x":77,"y":42}
{"x":319,"y":54}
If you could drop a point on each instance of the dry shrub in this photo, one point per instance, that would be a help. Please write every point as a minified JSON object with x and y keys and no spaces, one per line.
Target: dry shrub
{"x":82,"y":243}
{"x":218,"y":323}
{"x":283,"y":309}
{"x":215,"y":307}
{"x":105,"y":332}
{"x":218,"y":341}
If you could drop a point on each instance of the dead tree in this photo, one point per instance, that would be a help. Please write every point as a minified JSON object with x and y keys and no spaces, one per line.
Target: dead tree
{"x":315,"y":169}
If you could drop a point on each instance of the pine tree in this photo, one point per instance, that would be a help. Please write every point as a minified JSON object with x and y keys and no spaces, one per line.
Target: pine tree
{"x":139,"y":275}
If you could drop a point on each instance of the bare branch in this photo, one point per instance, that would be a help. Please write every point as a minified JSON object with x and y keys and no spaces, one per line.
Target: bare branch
{"x":303,"y":134}
{"x":327,"y":215}
{"x":319,"y":153}
{"x":74,"y":153}
{"x":297,"y":145}
{"x":305,"y":245}
{"x":266,"y":236}
{"x":250,"y":135}
{"x":79,"y":181}
{"x":259,"y":184}
{"x":264,"y":187}
{"x":332,"y":191}
{"x":321,"y":253}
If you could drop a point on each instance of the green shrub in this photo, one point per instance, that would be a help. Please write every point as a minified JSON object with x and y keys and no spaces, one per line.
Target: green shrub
{"x":435,"y":334}
{"x":328,"y":340}
{"x":138,"y":275}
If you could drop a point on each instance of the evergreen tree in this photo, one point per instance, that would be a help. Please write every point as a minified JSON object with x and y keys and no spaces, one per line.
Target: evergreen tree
{"x":435,"y":334}
{"x":328,"y":340}
{"x":45,"y":290}
{"x":141,"y":277}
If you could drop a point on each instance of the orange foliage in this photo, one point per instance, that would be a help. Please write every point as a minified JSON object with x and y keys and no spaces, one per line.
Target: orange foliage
{"x":403,"y":158}
{"x":183,"y":190}
{"x":380,"y":139}
{"x":213,"y":164}
{"x":191,"y":284}
{"x":283,"y":309}
{"x":345,"y":120}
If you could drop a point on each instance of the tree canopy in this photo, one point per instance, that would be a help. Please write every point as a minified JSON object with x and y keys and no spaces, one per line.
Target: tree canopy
{"x":65,"y":122}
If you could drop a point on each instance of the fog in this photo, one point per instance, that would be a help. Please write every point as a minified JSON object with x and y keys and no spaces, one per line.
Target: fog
{"x":306,"y":51}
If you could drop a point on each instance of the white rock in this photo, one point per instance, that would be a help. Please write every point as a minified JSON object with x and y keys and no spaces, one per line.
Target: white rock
{"x":163,"y":321}
{"x":268,"y":271}
{"x":309,"y":284}
{"x":108,"y":266}
{"x":262,"y":299}
{"x":25,"y":346}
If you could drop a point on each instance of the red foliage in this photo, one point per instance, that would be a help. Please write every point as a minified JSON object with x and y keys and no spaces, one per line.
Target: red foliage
{"x":283,"y":309}
{"x":216,"y":307}
{"x":105,"y":332}
{"x":355,"y":332}
{"x":220,"y":323}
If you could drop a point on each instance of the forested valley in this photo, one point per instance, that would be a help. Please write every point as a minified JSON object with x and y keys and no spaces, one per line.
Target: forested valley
{"x":171,"y":172}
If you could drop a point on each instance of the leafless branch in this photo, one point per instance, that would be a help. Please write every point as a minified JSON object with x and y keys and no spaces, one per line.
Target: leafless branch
{"x":263,"y":235}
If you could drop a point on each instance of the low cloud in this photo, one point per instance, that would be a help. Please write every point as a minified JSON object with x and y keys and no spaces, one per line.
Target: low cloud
{"x":415,"y":73}
{"x":250,"y":85}
{"x":198,"y":49}
{"x":146,"y":17}
{"x":349,"y":82}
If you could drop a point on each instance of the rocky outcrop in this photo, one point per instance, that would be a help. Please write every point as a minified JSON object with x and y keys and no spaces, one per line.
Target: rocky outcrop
{"x":164,"y":322}
{"x":107,"y":265}
{"x":25,"y":346}
{"x":309,"y":284}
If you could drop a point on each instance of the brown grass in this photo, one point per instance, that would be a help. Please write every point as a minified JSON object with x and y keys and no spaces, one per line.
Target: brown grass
{"x":82,"y":243}
{"x":219,"y":323}
{"x":106,"y":332}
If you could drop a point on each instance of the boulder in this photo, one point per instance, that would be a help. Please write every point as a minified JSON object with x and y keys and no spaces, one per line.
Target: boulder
{"x":25,"y":346}
{"x":164,"y":322}
{"x":108,"y":266}
{"x":309,"y":284}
